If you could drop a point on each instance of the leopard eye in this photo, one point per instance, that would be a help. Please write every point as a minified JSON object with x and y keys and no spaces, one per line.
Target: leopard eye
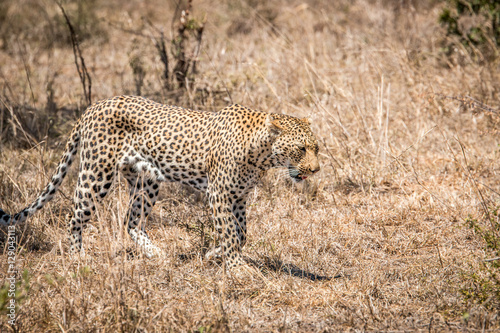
{"x":302,"y":149}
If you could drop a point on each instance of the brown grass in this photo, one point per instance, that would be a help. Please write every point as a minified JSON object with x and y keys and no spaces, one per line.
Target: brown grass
{"x":386,"y":212}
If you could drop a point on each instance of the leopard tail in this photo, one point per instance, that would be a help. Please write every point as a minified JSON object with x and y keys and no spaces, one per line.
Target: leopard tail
{"x":51,"y":188}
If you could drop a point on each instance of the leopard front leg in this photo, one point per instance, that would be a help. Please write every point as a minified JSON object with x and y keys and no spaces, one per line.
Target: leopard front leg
{"x":227,"y":230}
{"x":239,"y":212}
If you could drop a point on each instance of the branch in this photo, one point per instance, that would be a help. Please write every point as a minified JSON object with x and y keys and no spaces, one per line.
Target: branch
{"x":79,"y":61}
{"x":492,"y":259}
{"x":471,"y":103}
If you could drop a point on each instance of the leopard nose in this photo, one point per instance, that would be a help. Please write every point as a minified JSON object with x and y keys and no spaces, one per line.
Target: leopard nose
{"x":315,"y":169}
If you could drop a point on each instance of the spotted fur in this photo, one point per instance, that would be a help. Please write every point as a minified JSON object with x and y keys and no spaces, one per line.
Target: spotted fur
{"x":222,"y":153}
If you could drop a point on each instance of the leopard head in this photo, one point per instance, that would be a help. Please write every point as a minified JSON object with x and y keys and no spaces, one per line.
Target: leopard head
{"x":294,"y":146}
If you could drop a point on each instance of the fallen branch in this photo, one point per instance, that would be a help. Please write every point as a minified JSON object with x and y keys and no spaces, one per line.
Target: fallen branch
{"x":492,"y":259}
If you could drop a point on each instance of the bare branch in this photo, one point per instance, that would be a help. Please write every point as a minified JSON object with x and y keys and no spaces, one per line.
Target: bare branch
{"x":79,"y":61}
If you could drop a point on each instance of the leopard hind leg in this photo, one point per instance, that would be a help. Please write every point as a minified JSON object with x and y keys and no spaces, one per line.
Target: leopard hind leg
{"x":91,"y":188}
{"x":143,"y":194}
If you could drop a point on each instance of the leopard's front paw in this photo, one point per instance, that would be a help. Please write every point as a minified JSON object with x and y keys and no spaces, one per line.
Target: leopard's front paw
{"x":232,"y":259}
{"x":240,"y":269}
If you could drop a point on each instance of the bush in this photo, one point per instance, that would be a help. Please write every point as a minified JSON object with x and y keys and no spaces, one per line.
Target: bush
{"x":33,"y":22}
{"x":476,"y":24}
{"x":483,"y":286}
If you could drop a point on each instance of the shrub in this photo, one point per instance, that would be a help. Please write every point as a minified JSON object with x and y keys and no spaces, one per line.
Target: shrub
{"x":32,"y":21}
{"x":483,"y":286}
{"x":476,"y":24}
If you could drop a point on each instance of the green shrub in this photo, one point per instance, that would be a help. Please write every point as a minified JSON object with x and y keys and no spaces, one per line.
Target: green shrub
{"x":483,"y":286}
{"x":476,"y":24}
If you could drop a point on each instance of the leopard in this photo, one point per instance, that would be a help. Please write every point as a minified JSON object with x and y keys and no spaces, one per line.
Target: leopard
{"x":223,"y":154}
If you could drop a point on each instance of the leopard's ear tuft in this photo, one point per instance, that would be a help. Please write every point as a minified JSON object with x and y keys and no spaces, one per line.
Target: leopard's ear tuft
{"x":273,"y":125}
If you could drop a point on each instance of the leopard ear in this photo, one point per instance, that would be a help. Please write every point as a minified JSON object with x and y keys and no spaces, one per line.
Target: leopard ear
{"x":306,"y":120}
{"x":273,"y":125}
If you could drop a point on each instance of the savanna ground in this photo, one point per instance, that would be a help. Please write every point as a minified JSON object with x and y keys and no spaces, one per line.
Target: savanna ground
{"x":378,"y":240}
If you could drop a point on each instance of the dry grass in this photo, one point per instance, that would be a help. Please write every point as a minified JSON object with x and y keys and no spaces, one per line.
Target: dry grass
{"x":386,"y":212}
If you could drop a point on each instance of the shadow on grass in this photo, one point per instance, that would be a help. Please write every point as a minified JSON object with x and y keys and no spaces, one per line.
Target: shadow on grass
{"x":279,"y":266}
{"x":274,"y":265}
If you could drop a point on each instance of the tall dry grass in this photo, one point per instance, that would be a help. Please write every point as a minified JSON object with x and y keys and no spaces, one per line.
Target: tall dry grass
{"x":402,"y":168}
